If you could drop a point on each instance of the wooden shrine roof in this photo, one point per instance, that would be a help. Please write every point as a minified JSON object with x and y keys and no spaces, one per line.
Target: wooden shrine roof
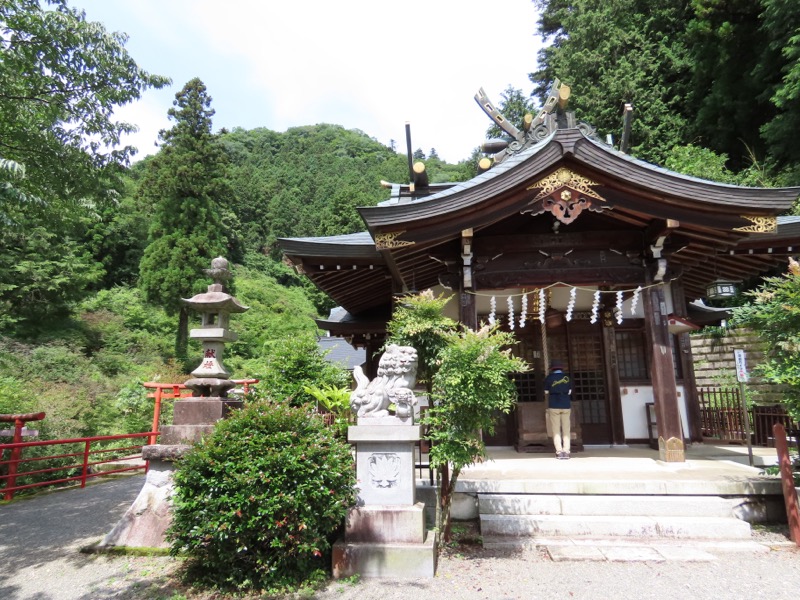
{"x":709,"y":228}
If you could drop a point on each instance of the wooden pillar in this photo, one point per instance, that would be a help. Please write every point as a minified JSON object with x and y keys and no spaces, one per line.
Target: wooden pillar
{"x":616,"y":419}
{"x":467,"y":306}
{"x":373,"y":347}
{"x":468,"y":310}
{"x":662,"y":374}
{"x":693,"y":413}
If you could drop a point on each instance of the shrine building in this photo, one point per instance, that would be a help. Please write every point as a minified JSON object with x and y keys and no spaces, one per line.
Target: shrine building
{"x":590,"y":256}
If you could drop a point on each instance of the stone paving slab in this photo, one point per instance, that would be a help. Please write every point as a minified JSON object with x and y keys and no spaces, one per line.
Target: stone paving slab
{"x":632,"y":554}
{"x":626,"y":553}
{"x":685,"y":554}
{"x":569,"y":553}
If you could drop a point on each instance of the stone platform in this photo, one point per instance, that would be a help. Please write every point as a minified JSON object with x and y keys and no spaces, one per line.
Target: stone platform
{"x":610,"y":503}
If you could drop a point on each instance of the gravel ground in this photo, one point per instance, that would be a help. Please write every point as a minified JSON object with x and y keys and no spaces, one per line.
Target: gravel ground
{"x":40,"y":538}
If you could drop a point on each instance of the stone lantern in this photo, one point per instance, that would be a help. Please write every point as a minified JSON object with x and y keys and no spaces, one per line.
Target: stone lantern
{"x":195,"y":416}
{"x":146,"y":521}
{"x":211,"y":379}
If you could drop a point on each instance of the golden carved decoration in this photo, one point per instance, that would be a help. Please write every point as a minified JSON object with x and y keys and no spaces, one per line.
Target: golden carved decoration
{"x":759,"y":224}
{"x":387,"y":241}
{"x":562,"y":178}
{"x":565,"y":194}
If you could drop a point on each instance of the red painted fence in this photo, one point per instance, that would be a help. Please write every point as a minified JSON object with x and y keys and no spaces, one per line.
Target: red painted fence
{"x":82,"y":461}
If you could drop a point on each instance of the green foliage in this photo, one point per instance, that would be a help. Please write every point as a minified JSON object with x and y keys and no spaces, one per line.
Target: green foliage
{"x":719,"y":73}
{"x":258,"y":501}
{"x":291,"y":364}
{"x":514,"y":105}
{"x":617,"y":52}
{"x":13,"y":399}
{"x":276,"y":312}
{"x":61,"y":78}
{"x":334,"y":401}
{"x":472,"y":383}
{"x":706,"y":164}
{"x":419,"y":321}
{"x":305,"y":181}
{"x":183,"y":186}
{"x":774,"y":314}
{"x":41,"y":275}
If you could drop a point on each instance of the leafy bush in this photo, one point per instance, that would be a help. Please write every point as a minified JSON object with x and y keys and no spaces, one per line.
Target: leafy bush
{"x":258,"y":501}
{"x":293,"y":363}
{"x":335,"y":404}
{"x":774,"y":313}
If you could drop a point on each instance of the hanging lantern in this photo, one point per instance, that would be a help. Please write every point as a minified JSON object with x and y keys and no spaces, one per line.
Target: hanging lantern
{"x":721,"y":288}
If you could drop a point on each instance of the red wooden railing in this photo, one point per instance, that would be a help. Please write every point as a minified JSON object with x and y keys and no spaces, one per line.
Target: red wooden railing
{"x":83,"y":459}
{"x":9,"y":468}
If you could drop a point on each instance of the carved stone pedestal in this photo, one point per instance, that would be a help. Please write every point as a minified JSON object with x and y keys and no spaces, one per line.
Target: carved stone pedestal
{"x":385,"y":535}
{"x":143,"y":525}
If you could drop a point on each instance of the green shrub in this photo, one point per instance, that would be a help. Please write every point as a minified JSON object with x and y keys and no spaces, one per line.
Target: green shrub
{"x":258,"y":501}
{"x":291,"y":364}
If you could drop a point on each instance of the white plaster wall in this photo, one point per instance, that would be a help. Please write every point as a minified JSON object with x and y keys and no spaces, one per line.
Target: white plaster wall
{"x":634,"y":398}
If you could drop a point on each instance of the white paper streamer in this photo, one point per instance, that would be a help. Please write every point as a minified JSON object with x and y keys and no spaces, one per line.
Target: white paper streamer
{"x":635,"y":300}
{"x":542,"y":306}
{"x":595,"y":307}
{"x":492,"y":309}
{"x":619,"y":308}
{"x":571,"y":304}
{"x":511,"y":312}
{"x":524,"y":311}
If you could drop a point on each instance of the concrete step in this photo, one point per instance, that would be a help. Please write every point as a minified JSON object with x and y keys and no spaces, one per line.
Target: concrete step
{"x":616,"y":550}
{"x":634,"y":506}
{"x":614,"y":526}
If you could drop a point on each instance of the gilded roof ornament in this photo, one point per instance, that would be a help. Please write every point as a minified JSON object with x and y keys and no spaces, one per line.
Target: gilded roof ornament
{"x":759,"y":224}
{"x":389,"y":241}
{"x":565,"y":194}
{"x":564,"y":177}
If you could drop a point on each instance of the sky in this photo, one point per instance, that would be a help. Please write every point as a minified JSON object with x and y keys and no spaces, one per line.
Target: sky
{"x":372,"y":65}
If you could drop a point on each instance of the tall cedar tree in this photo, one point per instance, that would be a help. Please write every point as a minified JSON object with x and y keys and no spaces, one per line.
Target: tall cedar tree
{"x":617,"y":52}
{"x":185,"y":186}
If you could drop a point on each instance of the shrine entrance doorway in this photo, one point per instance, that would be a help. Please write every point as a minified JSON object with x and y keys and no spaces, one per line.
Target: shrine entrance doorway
{"x":580,"y":347}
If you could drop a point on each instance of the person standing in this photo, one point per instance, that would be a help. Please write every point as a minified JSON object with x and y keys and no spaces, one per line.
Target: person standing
{"x":558,"y":392}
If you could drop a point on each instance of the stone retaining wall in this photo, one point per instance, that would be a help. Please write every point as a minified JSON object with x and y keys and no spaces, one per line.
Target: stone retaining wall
{"x":714,"y":364}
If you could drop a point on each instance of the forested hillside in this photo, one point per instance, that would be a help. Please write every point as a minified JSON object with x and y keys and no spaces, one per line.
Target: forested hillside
{"x":96,"y":252}
{"x":716,"y":75}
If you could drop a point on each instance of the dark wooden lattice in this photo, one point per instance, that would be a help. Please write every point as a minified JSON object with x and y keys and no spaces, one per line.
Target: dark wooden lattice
{"x":631,"y":355}
{"x":586,"y":363}
{"x":526,"y":386}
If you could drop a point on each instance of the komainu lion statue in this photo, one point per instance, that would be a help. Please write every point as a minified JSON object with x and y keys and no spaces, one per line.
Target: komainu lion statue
{"x":397,"y":374}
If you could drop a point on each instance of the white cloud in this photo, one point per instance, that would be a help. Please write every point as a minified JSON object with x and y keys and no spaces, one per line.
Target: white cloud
{"x":357,"y":63}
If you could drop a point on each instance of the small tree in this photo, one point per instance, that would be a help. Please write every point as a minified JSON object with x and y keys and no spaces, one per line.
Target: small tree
{"x":419,"y":321}
{"x":468,"y":375}
{"x":472,"y":383}
{"x":775,"y":315}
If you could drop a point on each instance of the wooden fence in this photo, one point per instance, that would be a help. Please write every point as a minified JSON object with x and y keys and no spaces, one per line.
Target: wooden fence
{"x":722,"y":419}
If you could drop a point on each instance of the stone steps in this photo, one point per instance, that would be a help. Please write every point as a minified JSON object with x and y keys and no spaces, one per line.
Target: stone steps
{"x":625,"y":550}
{"x":608,"y":527}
